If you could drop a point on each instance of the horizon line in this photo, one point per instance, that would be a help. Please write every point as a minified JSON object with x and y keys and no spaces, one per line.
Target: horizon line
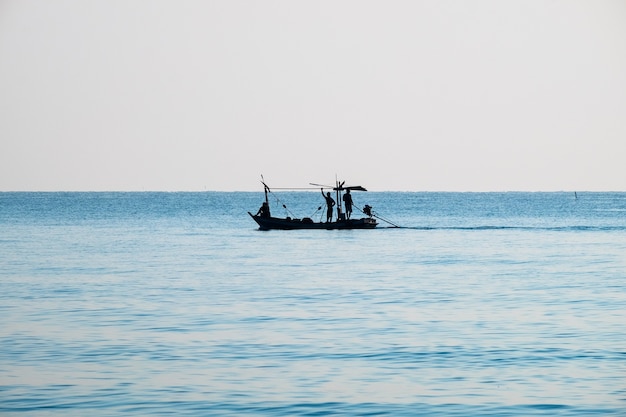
{"x":309,"y":190}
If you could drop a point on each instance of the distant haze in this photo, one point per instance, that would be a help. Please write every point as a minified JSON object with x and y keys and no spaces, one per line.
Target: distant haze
{"x":483,"y":95}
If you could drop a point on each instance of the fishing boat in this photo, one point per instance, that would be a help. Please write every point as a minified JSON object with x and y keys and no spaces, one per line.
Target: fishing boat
{"x":267,"y":222}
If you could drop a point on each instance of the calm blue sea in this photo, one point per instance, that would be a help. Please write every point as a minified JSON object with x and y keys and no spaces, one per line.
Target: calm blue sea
{"x":137,"y":304}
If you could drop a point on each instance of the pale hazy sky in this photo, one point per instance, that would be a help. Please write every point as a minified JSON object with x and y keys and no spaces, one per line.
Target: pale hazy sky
{"x":453,"y":95}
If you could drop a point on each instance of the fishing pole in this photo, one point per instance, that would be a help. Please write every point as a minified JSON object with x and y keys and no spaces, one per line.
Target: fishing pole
{"x":318,"y":209}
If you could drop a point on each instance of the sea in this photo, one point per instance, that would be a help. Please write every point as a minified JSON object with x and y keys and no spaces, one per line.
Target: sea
{"x":175,"y":304}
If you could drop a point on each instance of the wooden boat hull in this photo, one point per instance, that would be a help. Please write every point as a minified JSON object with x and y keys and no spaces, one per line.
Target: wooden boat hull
{"x":277,"y":223}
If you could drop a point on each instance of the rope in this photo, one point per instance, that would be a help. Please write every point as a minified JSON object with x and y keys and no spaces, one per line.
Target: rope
{"x":375,"y":214}
{"x":281,"y":203}
{"x":383,"y":219}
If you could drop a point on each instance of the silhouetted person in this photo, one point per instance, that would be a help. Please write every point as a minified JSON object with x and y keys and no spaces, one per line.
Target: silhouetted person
{"x":347,"y":200}
{"x":264,"y":211}
{"x":367,"y":210}
{"x":330,"y":203}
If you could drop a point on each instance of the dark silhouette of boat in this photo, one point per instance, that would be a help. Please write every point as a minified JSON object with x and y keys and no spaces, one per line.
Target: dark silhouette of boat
{"x":342,"y":221}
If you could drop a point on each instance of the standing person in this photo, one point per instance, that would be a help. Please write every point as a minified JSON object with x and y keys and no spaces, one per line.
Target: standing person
{"x":330,"y":203}
{"x":347,"y":200}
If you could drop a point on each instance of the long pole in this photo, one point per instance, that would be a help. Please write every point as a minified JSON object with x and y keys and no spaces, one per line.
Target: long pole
{"x":386,"y":221}
{"x":338,"y":199}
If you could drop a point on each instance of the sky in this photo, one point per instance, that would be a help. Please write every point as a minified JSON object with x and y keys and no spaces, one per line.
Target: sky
{"x":417,"y":95}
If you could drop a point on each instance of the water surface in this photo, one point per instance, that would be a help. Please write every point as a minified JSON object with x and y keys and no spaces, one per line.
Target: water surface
{"x":507,"y":304}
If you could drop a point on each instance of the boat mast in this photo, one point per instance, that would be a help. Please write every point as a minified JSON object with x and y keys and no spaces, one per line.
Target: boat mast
{"x":265,"y":190}
{"x":338,"y":188}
